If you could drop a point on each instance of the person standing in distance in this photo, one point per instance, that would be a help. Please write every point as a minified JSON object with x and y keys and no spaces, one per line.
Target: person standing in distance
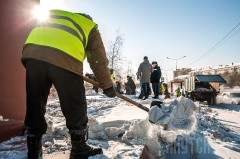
{"x":144,"y":72}
{"x":155,"y":78}
{"x":131,"y":85}
{"x":53,"y":54}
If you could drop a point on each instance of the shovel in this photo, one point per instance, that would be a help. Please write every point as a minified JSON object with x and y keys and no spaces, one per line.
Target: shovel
{"x":118,"y":95}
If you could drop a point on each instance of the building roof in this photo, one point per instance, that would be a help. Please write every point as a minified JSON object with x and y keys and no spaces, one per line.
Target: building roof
{"x":210,"y":78}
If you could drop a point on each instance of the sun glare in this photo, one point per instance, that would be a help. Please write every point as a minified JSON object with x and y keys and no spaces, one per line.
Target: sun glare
{"x":40,"y":13}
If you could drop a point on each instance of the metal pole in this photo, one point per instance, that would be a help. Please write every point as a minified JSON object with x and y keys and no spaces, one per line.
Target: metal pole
{"x":176,"y":69}
{"x":176,"y":63}
{"x":166,"y":74}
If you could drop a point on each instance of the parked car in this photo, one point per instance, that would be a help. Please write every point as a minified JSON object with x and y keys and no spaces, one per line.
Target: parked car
{"x":228,"y":98}
{"x":236,"y":87}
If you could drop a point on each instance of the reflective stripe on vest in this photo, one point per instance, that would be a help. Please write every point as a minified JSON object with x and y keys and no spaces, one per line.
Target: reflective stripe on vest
{"x":64,"y":31}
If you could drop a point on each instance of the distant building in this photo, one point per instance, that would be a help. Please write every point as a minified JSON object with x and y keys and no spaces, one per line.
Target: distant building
{"x":231,"y":73}
{"x":179,"y":73}
{"x":232,"y":68}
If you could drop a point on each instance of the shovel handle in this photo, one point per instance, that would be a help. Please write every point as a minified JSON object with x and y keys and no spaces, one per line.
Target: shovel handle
{"x":118,"y":95}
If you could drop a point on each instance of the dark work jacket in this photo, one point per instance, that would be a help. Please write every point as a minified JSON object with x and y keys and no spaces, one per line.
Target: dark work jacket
{"x":131,"y":83}
{"x":156,"y":74}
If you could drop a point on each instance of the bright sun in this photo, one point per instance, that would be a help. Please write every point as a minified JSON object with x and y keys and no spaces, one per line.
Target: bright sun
{"x":40,"y":13}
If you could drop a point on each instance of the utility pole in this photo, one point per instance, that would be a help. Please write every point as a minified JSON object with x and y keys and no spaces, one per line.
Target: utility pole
{"x":166,"y":74}
{"x":176,"y":63}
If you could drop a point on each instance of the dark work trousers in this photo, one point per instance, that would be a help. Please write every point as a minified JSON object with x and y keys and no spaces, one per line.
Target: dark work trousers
{"x":145,"y":88}
{"x":133,"y":91}
{"x":155,"y":87}
{"x":70,"y":88}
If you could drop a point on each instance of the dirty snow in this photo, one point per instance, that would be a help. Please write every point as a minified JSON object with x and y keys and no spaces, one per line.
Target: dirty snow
{"x":182,"y":129}
{"x":2,"y":119}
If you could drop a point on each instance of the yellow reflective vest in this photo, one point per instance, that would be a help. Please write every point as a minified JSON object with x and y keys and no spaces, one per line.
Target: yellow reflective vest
{"x":163,"y":88}
{"x":64,"y":31}
{"x":112,"y":76}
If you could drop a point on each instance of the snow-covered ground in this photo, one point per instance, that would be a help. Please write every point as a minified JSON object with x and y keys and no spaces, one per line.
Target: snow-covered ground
{"x":182,"y":130}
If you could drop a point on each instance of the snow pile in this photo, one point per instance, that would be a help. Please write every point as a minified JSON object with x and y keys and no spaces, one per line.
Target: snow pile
{"x":92,"y":92}
{"x":120,"y":129}
{"x":176,"y":120}
{"x":180,"y":130}
{"x":13,"y":148}
{"x":212,"y":127}
{"x":104,"y":128}
{"x":2,"y":119}
{"x":55,"y":119}
{"x":175,"y":113}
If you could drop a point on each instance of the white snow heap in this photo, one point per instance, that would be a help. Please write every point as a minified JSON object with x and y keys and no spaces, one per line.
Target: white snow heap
{"x":113,"y":131}
{"x":176,"y":114}
{"x":2,"y":119}
{"x":155,"y":113}
{"x":168,"y":136}
{"x":94,"y":126}
{"x":137,"y":129}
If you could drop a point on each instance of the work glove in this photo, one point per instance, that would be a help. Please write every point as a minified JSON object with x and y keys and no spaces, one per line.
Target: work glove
{"x":110,"y":92}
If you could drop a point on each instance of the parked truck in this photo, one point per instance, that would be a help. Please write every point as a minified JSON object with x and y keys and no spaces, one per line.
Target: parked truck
{"x":203,"y":87}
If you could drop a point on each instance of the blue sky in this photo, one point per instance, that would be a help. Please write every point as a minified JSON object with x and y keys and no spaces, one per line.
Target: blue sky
{"x":167,"y":28}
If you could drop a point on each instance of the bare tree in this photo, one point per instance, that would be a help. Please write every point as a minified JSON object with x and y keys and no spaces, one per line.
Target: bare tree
{"x":114,"y":53}
{"x":130,"y":71}
{"x":232,"y":78}
{"x":120,"y":64}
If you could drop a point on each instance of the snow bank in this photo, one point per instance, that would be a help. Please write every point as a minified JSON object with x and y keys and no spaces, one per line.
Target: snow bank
{"x":2,"y":119}
{"x":123,"y":130}
{"x":212,"y":127}
{"x":177,"y":121}
{"x":176,"y":114}
{"x":106,"y":123}
{"x":112,"y":125}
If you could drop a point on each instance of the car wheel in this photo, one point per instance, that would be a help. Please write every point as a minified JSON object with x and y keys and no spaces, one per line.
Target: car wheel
{"x":211,"y":101}
{"x":194,"y":99}
{"x":233,"y":102}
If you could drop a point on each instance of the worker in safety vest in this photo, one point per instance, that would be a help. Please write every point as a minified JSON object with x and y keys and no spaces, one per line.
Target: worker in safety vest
{"x":178,"y":92}
{"x":53,"y":54}
{"x":112,"y":74}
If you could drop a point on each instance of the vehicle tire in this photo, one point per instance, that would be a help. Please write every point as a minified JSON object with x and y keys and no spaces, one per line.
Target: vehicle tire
{"x":194,"y":98}
{"x":214,"y":100}
{"x":211,"y":101}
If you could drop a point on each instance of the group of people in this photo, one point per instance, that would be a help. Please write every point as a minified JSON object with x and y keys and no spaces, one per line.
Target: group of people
{"x":149,"y":73}
{"x":130,"y":86}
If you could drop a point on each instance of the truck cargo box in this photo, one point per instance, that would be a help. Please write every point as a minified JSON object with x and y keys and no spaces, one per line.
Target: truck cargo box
{"x":203,"y":87}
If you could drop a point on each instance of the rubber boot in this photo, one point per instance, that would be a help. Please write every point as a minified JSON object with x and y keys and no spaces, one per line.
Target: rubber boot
{"x":34,"y":145}
{"x":80,"y":149}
